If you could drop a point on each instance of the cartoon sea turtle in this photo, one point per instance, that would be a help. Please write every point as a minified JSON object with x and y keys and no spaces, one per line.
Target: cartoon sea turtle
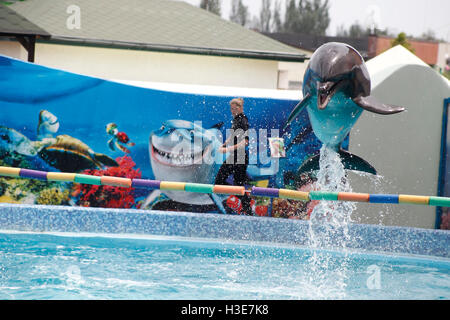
{"x":15,"y":148}
{"x":69,"y":154}
{"x":65,"y":152}
{"x":14,"y":142}
{"x":118,"y":138}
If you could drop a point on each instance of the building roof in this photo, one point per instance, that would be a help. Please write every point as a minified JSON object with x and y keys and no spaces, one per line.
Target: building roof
{"x":425,"y":49}
{"x":157,"y":25}
{"x":312,"y":42}
{"x":14,"y":24}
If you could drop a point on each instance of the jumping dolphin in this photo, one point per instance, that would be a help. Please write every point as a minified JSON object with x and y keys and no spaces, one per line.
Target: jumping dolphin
{"x":336,"y":89}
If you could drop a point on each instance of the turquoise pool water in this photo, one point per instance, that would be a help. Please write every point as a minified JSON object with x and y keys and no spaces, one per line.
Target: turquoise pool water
{"x":57,"y":266}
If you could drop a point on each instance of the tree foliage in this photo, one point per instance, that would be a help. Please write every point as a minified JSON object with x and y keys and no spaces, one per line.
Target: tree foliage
{"x":265,"y":16}
{"x":403,"y":41}
{"x":307,"y":16}
{"x":8,"y":2}
{"x":239,"y":13}
{"x":429,"y":35}
{"x":213,"y":6}
{"x":277,"y":24}
{"x":354,"y":31}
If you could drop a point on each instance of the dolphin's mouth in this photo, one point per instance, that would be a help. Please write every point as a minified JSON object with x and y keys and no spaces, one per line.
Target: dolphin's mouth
{"x":326,"y":90}
{"x":180,"y":159}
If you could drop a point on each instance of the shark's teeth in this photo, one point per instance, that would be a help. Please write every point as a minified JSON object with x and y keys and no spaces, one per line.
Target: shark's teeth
{"x":180,"y":159}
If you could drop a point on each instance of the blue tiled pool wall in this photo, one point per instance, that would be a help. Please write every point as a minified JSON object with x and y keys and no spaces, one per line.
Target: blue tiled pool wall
{"x":40,"y":218}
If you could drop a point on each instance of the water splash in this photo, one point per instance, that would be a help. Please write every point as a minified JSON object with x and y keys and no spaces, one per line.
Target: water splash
{"x":328,"y":229}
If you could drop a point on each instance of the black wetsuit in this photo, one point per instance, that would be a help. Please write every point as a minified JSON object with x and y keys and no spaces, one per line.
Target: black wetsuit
{"x":236,"y":164}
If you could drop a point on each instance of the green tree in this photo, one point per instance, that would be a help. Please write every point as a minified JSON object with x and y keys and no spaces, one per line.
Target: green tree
{"x":309,"y":17}
{"x":429,"y":35}
{"x":354,"y":31}
{"x":403,"y":41}
{"x":265,"y":16}
{"x":277,"y":24}
{"x":8,"y":2}
{"x":358,"y":31}
{"x":291,"y":17}
{"x":239,"y":13}
{"x":213,"y":6}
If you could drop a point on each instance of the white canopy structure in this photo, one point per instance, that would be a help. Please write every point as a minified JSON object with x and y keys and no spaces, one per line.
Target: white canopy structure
{"x":405,"y":148}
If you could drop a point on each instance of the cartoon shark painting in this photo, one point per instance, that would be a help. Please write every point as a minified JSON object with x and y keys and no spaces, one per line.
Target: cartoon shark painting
{"x":184,"y":151}
{"x":336,"y":90}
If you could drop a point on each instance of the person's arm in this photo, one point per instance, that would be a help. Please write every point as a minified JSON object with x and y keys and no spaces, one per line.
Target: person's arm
{"x":223,"y":148}
{"x":242,"y":144}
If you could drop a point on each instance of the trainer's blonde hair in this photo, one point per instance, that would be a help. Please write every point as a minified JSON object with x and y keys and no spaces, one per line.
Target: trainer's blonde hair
{"x":238,"y":101}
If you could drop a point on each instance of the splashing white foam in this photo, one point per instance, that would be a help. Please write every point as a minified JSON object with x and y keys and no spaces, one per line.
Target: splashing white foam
{"x":328,"y":228}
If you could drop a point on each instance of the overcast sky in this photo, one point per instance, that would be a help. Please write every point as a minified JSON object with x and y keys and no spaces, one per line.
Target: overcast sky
{"x":411,"y":16}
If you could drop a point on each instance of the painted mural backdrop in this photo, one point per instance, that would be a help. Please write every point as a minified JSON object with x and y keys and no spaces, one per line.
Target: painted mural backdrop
{"x":58,"y":121}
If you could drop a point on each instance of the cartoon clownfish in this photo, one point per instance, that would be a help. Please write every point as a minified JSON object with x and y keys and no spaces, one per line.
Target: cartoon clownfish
{"x":118,"y":138}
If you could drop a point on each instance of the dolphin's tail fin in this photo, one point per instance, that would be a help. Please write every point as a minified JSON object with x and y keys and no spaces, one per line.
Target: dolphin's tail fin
{"x":349,"y":160}
{"x":297,"y":109}
{"x":353,"y":162}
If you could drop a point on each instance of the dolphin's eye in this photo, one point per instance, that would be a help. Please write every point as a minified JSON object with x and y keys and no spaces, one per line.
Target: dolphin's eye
{"x":162,"y":128}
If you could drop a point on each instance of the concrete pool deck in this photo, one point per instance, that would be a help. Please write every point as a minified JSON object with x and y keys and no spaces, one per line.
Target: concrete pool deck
{"x":42,"y":218}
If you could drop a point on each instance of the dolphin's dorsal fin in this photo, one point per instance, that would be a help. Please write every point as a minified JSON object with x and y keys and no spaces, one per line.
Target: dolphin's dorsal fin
{"x":371,"y":104}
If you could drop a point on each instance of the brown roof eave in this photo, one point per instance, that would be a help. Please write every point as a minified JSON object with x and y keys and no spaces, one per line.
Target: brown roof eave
{"x":7,"y":33}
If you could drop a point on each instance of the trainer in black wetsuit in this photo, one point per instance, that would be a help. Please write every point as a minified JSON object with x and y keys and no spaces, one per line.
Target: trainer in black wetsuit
{"x":236,"y":164}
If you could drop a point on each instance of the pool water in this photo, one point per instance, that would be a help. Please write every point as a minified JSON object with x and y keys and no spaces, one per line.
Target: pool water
{"x":61,"y":266}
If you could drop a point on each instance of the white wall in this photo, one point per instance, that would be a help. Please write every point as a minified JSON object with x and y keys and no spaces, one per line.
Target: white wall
{"x":13,"y":49}
{"x":405,"y":147}
{"x":443,"y":54}
{"x":121,"y":64}
{"x":290,"y":72}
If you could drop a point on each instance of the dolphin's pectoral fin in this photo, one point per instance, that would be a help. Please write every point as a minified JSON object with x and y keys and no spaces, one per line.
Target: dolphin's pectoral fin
{"x":217,"y":200}
{"x":103,"y":158}
{"x":297,"y":109}
{"x":371,"y":104}
{"x":349,"y":160}
{"x":353,"y":162}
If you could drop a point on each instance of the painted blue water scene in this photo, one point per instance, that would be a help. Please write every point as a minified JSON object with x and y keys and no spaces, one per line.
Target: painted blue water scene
{"x":122,"y":189}
{"x":132,"y":132}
